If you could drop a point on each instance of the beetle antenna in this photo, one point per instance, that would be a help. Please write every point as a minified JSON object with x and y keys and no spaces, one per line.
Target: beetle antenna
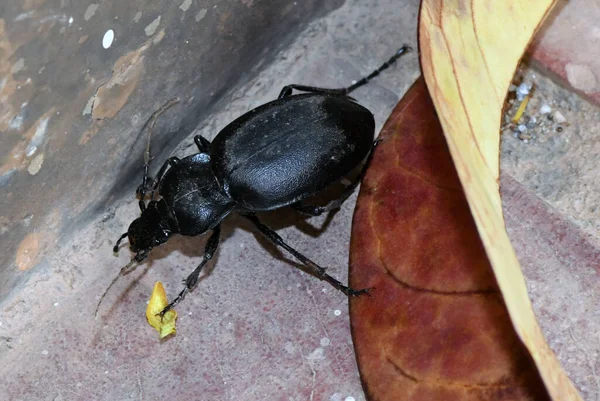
{"x":150,"y":125}
{"x":122,"y":272}
{"x":121,"y":238}
{"x":384,"y":66}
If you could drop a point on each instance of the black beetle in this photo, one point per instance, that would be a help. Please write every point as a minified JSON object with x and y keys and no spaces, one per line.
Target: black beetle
{"x":276,"y":155}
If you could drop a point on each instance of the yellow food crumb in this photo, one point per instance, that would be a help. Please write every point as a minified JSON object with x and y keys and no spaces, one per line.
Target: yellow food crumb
{"x":158,"y":301}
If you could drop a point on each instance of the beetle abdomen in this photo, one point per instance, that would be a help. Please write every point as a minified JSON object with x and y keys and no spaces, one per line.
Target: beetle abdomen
{"x":290,"y":149}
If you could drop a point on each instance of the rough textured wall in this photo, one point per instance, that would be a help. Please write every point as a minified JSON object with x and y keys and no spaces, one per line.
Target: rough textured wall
{"x":71,"y":110}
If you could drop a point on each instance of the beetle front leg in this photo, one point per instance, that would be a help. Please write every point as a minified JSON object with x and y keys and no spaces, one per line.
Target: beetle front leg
{"x":313,"y":268}
{"x":190,"y":282}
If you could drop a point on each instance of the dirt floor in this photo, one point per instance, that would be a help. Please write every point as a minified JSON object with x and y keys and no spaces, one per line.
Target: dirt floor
{"x":256,"y":327}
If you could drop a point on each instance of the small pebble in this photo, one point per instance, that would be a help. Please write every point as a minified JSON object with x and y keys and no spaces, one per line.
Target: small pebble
{"x":523,"y":90}
{"x":545,"y":109}
{"x":524,"y":136}
{"x":522,"y":128}
{"x":559,"y":118}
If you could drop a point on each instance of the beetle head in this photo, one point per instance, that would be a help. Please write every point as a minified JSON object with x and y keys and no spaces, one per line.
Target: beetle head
{"x":149,"y":230}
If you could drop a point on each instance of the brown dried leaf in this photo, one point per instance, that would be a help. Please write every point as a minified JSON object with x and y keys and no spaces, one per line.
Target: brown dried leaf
{"x":436,"y":327}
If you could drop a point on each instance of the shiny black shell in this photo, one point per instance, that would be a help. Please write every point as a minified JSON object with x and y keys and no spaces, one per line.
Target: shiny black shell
{"x":287,"y":150}
{"x":193,"y":195}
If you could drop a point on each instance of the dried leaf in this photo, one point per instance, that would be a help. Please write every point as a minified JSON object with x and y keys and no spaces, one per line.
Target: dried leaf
{"x":436,"y":327}
{"x":469,"y":53}
{"x":165,"y":325}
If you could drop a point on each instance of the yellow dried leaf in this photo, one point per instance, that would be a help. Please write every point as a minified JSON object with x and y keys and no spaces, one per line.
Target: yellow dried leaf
{"x":158,"y":301}
{"x":470,"y":50}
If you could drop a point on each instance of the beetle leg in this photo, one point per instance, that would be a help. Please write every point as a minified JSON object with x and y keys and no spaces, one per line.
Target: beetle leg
{"x":313,"y":268}
{"x":381,"y":68}
{"x":202,"y":143}
{"x":312,"y":210}
{"x":287,"y":90}
{"x":190,"y":282}
{"x":171,"y":161}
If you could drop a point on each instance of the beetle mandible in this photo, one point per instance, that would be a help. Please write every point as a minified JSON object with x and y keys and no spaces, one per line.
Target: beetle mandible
{"x":276,"y":155}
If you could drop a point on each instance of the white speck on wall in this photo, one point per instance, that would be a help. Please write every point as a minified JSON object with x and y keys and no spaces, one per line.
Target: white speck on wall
{"x":16,"y":123}
{"x":137,"y":17}
{"x":24,"y":16}
{"x":45,"y":352}
{"x":151,"y":28}
{"x":201,"y":14}
{"x":55,"y":304}
{"x":34,"y":167}
{"x":88,"y":106}
{"x":90,"y":11}
{"x":17,"y":66}
{"x":349,"y":398}
{"x":108,"y":38}
{"x":337,"y":312}
{"x":158,"y":37}
{"x":185,"y":5}
{"x":70,"y":20}
{"x":325,"y":342}
{"x":38,"y":137}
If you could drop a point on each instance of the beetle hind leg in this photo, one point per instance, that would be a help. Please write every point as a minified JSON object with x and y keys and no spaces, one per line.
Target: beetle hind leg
{"x":313,"y":268}
{"x":287,"y":90}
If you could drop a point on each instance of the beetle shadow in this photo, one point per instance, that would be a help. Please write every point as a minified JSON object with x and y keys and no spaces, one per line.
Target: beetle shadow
{"x":287,"y":217}
{"x":280,"y":219}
